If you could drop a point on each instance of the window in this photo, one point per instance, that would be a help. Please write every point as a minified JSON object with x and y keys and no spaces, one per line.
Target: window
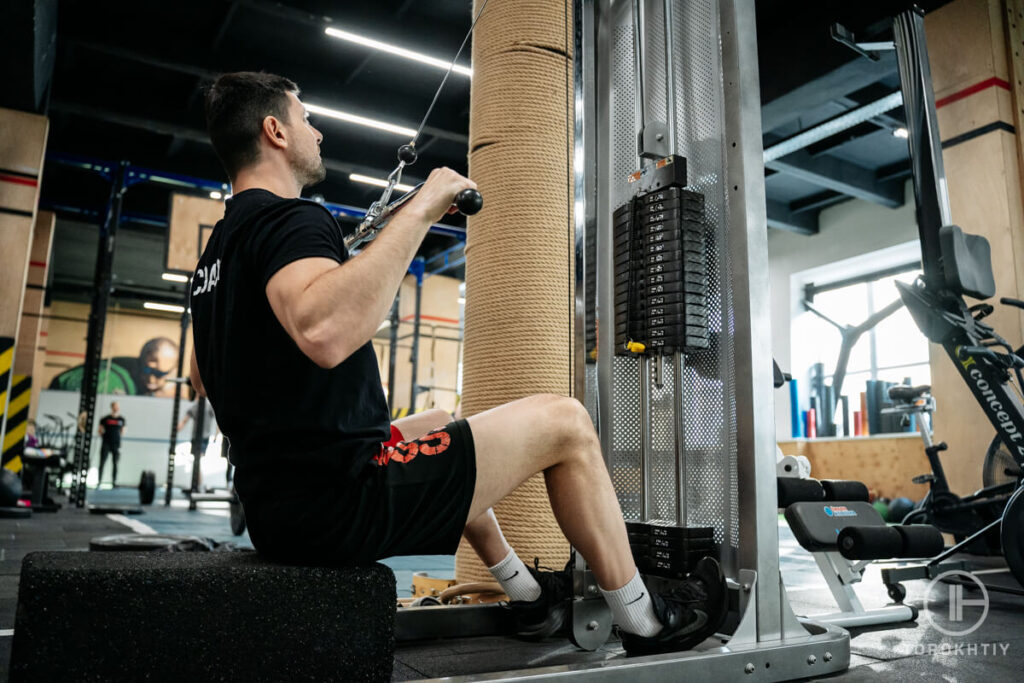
{"x":894,"y":350}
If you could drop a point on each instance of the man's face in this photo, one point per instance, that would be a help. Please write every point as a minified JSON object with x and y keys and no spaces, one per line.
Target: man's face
{"x":156,"y":365}
{"x":304,"y":147}
{"x":115,"y":408}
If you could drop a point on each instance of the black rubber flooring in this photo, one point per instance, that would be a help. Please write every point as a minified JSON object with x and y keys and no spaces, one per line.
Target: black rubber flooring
{"x":914,"y":651}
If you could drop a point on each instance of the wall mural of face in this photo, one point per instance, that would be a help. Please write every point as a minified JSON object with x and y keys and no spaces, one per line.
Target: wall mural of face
{"x":159,"y":358}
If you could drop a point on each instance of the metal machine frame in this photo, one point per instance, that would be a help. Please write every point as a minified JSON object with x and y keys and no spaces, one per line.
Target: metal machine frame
{"x":768,"y":641}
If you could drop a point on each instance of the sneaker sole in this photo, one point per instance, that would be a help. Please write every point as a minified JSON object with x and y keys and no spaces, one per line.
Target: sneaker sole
{"x":711,"y":628}
{"x":549,"y":627}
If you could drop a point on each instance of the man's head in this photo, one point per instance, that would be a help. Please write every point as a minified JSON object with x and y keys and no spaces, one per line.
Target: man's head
{"x":115,"y":407}
{"x":257,"y":118}
{"x":157,"y":359}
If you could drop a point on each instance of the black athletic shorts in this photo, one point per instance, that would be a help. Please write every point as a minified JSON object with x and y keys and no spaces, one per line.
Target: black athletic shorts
{"x":411,"y":498}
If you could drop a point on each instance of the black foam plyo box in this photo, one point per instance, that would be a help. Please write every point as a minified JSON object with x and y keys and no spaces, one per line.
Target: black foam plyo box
{"x":231,"y":616}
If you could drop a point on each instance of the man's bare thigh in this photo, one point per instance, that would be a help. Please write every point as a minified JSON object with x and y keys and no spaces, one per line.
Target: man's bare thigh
{"x":415,"y":426}
{"x":516,"y":440}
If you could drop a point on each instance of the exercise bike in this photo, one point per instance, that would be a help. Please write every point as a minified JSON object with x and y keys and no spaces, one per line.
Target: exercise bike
{"x":950,"y":513}
{"x":958,"y":264}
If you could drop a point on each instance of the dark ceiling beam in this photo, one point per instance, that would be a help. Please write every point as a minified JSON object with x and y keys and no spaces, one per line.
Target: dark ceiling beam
{"x":833,"y":126}
{"x":191,"y":134}
{"x":831,"y":173}
{"x":211,"y":75}
{"x":399,"y":13}
{"x":148,"y":60}
{"x":840,"y":82}
{"x":224,"y":23}
{"x":817,"y":202}
{"x":281,"y":11}
{"x":28,"y":48}
{"x":781,"y":218}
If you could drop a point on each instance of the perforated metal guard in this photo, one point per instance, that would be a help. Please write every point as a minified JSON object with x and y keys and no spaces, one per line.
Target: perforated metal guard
{"x":708,"y":419}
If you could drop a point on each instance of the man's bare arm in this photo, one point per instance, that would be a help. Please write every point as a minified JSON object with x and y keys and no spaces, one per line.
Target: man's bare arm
{"x":194,"y":378}
{"x":332,"y":309}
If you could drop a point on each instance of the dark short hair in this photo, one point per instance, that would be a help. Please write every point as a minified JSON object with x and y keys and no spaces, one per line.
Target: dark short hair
{"x":236,"y":105}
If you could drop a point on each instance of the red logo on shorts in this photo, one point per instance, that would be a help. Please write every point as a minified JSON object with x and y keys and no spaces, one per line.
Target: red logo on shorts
{"x":434,"y":443}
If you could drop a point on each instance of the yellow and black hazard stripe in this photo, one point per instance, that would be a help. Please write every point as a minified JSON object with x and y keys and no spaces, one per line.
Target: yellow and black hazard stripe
{"x":6,"y":362}
{"x":399,"y":413}
{"x":17,"y":421}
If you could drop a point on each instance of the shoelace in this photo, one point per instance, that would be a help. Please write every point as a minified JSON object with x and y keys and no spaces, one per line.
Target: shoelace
{"x":552,"y":582}
{"x":689,"y":592}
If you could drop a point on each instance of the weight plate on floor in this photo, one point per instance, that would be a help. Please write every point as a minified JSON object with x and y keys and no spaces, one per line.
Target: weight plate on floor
{"x":138,"y":542}
{"x":115,"y":510}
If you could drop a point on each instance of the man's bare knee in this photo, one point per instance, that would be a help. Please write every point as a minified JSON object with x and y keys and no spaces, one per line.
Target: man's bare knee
{"x":576,"y":438}
{"x":438,"y":415}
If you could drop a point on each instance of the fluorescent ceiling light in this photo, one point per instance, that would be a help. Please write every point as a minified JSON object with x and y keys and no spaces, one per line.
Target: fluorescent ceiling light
{"x":174,"y":277}
{"x":395,"y":50}
{"x":901,"y":133}
{"x":379,"y":182}
{"x":153,"y":306}
{"x":361,"y":120}
{"x":215,"y":195}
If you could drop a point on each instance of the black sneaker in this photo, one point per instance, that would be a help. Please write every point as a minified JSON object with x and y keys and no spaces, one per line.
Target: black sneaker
{"x":548,"y":614}
{"x":693,"y":612}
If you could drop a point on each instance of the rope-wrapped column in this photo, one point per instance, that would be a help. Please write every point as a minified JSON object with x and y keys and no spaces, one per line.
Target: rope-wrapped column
{"x":519,"y":248}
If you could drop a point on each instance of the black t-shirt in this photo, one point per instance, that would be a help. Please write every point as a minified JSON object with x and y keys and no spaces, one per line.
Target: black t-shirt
{"x":289,"y":422}
{"x":112,"y":426}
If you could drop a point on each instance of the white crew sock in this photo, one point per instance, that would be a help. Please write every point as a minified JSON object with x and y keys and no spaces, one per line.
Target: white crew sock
{"x":515,"y":579}
{"x":632,"y":608}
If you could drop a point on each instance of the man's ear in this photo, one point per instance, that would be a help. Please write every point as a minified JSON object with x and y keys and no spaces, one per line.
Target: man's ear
{"x":273,"y":131}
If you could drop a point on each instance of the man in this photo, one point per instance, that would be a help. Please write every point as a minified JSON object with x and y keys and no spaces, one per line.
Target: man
{"x":145,"y":375}
{"x":279,"y":292}
{"x":110,"y":429}
{"x":209,"y":425}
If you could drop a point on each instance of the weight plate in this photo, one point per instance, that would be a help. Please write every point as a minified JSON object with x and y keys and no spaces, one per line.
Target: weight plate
{"x":137,"y":542}
{"x":685,"y":259}
{"x":652,"y":321}
{"x":674,"y":216}
{"x":656,"y":244}
{"x":115,"y":510}
{"x":671,"y":193}
{"x":657,"y":287}
{"x":677,"y":297}
{"x":147,"y":487}
{"x":670,"y":204}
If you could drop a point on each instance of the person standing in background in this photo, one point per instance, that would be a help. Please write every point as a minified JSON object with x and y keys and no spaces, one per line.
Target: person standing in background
{"x":111,"y":428}
{"x":209,"y":425}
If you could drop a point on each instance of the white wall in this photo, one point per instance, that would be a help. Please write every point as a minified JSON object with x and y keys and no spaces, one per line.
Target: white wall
{"x":145,"y":442}
{"x":846,"y":231}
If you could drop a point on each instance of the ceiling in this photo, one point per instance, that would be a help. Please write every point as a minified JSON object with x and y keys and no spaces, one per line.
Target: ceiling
{"x":128,"y":77}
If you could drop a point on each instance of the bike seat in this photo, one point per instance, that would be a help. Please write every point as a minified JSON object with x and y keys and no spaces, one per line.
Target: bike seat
{"x":966,"y":263}
{"x":903,"y":393}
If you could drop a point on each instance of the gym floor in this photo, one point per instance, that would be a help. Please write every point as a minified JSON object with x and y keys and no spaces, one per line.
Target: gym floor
{"x":900,"y":652}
